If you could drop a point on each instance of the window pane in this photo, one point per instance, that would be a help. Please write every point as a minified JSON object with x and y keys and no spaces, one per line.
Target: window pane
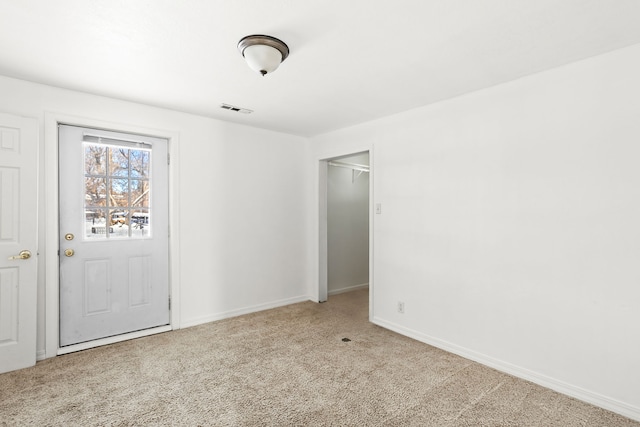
{"x":140,"y":223}
{"x":140,"y":161}
{"x":119,"y":164}
{"x":95,"y":159}
{"x":95,"y":192}
{"x":119,"y":195}
{"x":118,"y":217}
{"x":119,"y":220}
{"x":140,"y":193}
{"x":95,"y":223}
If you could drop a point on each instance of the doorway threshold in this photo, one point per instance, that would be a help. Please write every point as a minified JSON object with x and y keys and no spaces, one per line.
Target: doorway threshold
{"x":112,"y":340}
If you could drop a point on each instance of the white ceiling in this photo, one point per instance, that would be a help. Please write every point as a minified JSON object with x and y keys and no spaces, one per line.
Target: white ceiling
{"x":351,"y":60}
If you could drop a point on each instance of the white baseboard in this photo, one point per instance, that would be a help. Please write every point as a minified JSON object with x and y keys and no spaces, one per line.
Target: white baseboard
{"x":593,"y":398}
{"x":348,"y":289}
{"x":41,"y":355}
{"x":246,"y":310}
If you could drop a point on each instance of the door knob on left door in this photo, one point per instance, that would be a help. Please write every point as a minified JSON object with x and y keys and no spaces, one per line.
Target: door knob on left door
{"x":69,"y":252}
{"x":22,"y":255}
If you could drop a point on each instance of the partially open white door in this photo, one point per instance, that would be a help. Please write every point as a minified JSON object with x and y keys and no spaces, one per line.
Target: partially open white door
{"x":18,"y":234}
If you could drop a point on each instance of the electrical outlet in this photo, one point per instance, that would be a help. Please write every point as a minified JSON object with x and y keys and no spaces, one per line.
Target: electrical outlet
{"x":401,"y":307}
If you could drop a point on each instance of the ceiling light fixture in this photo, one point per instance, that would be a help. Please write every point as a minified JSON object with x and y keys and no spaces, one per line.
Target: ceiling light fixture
{"x":263,"y":53}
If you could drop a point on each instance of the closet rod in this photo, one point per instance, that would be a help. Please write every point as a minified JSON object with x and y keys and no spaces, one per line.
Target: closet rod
{"x":354,"y":166}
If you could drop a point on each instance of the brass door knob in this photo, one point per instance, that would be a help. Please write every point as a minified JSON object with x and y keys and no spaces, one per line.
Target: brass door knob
{"x":69,"y":252}
{"x":25,"y":254}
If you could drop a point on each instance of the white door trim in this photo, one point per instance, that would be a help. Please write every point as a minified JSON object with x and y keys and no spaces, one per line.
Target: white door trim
{"x":52,"y":273}
{"x":320,"y":292}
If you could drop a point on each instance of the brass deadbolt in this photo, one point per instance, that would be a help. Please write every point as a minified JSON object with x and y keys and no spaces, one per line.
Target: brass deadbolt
{"x":68,"y":236}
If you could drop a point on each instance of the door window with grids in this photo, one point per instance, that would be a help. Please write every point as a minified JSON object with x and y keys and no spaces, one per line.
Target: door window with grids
{"x":117,"y":189}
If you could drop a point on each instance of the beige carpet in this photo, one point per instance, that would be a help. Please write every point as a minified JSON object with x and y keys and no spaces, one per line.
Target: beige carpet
{"x":287,"y":366}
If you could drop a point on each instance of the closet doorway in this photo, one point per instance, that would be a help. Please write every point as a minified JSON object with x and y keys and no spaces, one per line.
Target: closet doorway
{"x":344,"y":248}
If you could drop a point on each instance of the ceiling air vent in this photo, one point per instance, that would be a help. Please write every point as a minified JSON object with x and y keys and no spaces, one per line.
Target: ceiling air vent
{"x":236,"y":109}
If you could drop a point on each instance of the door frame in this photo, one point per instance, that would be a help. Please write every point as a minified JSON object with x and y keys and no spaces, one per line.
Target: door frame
{"x":321,"y":163}
{"x":52,"y":265}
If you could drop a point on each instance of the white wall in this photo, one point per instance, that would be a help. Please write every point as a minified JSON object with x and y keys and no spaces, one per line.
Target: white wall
{"x":242,"y":202}
{"x":510,"y":226}
{"x":347,"y":226}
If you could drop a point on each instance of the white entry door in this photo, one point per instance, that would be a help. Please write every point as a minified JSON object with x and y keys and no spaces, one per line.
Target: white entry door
{"x":114,"y":234}
{"x":18,"y":234}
